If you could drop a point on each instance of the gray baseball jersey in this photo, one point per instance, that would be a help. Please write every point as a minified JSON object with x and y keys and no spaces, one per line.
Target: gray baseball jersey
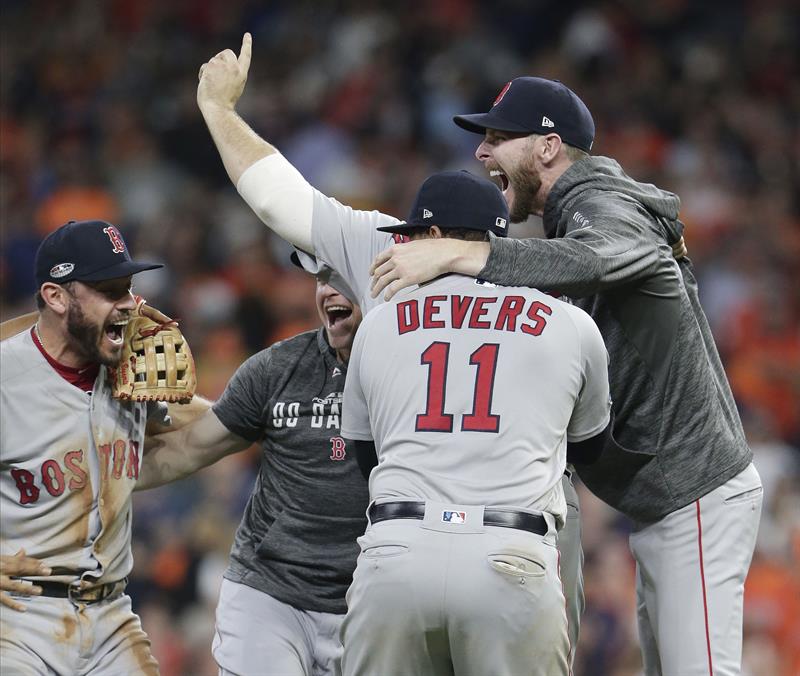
{"x":68,"y":464}
{"x":346,"y":240}
{"x":471,"y":392}
{"x":69,"y":460}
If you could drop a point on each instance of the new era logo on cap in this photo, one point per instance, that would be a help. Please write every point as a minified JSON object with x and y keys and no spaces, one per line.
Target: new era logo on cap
{"x":427,"y":213}
{"x":547,"y":122}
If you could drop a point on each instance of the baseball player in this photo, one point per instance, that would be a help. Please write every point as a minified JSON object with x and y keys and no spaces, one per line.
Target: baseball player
{"x":345,"y":239}
{"x":69,"y":458}
{"x":282,"y":600}
{"x":682,"y":469}
{"x":470,"y":393}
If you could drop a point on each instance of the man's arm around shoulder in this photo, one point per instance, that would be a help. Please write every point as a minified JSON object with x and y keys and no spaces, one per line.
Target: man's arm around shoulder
{"x":177,"y":454}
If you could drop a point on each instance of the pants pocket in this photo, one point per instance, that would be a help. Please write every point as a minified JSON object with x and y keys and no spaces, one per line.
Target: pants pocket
{"x":384,"y":551}
{"x":517,"y":565}
{"x":744,"y":496}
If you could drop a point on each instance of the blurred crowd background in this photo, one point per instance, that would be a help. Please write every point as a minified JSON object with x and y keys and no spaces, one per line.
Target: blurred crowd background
{"x":98,"y":120}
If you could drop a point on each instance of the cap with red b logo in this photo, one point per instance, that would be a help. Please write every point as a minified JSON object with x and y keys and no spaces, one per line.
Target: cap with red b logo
{"x":89,"y":251}
{"x":535,"y":105}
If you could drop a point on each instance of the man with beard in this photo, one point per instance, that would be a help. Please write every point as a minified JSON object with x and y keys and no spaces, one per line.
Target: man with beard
{"x":69,"y":459}
{"x":679,"y":465}
{"x":282,"y":600}
{"x":346,"y":239}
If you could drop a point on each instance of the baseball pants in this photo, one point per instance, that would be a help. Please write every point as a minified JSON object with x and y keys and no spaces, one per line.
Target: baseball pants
{"x":257,"y":634}
{"x":436,"y":598}
{"x":58,"y":636}
{"x":690,"y":572}
{"x":571,"y":564}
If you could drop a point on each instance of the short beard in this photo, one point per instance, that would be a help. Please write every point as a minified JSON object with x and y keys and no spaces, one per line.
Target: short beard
{"x":87,"y":337}
{"x":526,"y":182}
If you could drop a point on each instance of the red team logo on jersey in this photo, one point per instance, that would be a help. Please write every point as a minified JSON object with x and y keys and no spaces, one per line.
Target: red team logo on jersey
{"x":337,"y":449}
{"x":116,"y":239}
{"x":117,"y":459}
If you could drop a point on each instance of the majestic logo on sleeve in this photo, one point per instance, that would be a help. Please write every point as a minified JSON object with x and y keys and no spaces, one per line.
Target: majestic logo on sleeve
{"x":116,"y":239}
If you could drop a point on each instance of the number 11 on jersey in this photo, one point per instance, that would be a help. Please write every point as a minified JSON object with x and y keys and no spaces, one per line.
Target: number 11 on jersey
{"x":481,"y":419}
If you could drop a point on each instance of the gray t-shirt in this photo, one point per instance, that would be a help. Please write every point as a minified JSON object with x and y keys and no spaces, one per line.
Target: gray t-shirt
{"x":297,"y":538}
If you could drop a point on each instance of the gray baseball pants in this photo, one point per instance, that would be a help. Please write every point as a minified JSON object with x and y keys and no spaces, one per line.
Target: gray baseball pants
{"x":431,"y":598}
{"x":59,"y":636}
{"x":690,"y":572}
{"x":571,"y":560}
{"x":257,"y":634}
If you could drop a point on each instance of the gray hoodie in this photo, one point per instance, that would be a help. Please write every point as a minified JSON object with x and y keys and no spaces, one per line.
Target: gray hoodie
{"x":677,"y":433}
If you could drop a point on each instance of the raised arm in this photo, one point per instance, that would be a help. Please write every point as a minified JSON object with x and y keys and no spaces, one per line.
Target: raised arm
{"x":175,"y":455}
{"x":273,"y":188}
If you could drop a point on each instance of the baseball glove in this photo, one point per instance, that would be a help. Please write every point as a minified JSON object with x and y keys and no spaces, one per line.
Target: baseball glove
{"x":156,"y":363}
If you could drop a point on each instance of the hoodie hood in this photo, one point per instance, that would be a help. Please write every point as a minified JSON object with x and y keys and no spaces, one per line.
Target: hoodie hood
{"x":592,"y":176}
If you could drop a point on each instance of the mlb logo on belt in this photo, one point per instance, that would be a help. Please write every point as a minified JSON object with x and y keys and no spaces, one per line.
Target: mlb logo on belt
{"x":454,"y":517}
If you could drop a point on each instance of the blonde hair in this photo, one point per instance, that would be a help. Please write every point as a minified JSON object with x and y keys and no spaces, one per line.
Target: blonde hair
{"x":574,"y":154}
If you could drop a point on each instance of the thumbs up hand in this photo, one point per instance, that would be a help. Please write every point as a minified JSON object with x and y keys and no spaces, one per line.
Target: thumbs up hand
{"x":222,"y":79}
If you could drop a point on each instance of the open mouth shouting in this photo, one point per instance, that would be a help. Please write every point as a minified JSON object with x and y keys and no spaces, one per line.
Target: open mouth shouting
{"x":115,"y":331}
{"x":336,"y":313}
{"x":500,"y":178}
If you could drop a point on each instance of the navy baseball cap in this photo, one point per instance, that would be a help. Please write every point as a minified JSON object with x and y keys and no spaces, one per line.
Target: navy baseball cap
{"x":534,"y":105}
{"x":87,"y":251}
{"x":456,"y":199}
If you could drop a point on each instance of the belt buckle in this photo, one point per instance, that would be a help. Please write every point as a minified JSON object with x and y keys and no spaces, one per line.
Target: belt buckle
{"x":72,"y":591}
{"x":78,"y":595}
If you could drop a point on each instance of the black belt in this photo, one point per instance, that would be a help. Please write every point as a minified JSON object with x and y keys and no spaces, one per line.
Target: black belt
{"x":492,"y":516}
{"x":73,"y":592}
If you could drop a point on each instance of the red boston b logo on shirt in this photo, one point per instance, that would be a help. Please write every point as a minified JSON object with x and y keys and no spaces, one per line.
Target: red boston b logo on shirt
{"x":337,"y":449}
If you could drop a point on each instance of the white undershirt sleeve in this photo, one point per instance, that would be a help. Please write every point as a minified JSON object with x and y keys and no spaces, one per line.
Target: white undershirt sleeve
{"x":281,"y":198}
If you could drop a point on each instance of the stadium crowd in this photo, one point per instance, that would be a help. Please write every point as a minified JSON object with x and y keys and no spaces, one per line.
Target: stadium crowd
{"x":98,"y":120}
